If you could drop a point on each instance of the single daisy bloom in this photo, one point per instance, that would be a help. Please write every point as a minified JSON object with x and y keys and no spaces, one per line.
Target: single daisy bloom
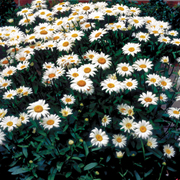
{"x":130,"y":84}
{"x":148,"y":98}
{"x":24,"y":118}
{"x":143,"y":129}
{"x":22,"y":65}
{"x":96,"y":15}
{"x":9,"y":122}
{"x":121,"y":9}
{"x":164,"y":39}
{"x":5,"y":83}
{"x":87,"y":26}
{"x":165,"y":83}
{"x":68,"y":99}
{"x":102,"y":61}
{"x":65,"y":45}
{"x":169,"y":151}
{"x":66,"y":111}
{"x":97,"y":34}
{"x":81,"y":83}
{"x":142,"y":64}
{"x":99,"y":137}
{"x":142,"y":36}
{"x":38,"y":109}
{"x":165,"y":59}
{"x":172,"y":33}
{"x":75,"y":35}
{"x":48,"y":65}
{"x":9,"y":94}
{"x":152,"y":142}
{"x":134,"y":11}
{"x":2,"y":137}
{"x":127,"y":124}
{"x":50,"y":74}
{"x":3,"y":112}
{"x":106,"y":120}
{"x":86,"y":8}
{"x":122,"y":108}
{"x":27,"y":91}
{"x":124,"y":69}
{"x":50,"y":121}
{"x":175,"y":41}
{"x":152,"y":79}
{"x":119,"y":140}
{"x":130,"y":111}
{"x":8,"y":71}
{"x":163,"y":97}
{"x":120,"y":154}
{"x":174,"y":112}
{"x":131,"y":48}
{"x":111,"y":85}
{"x":136,"y":21}
{"x":88,"y":69}
{"x":73,"y":73}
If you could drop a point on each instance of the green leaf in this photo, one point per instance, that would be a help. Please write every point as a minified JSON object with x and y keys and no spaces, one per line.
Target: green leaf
{"x":90,"y":166}
{"x":53,"y":172}
{"x":20,"y":171}
{"x":59,"y":166}
{"x":177,"y":132}
{"x":171,"y":169}
{"x":68,"y":174}
{"x":108,"y":158}
{"x":95,"y":149}
{"x":137,"y":175}
{"x":24,"y":150}
{"x":76,"y":167}
{"x":85,"y":148}
{"x":65,"y":128}
{"x":148,"y":173}
{"x":77,"y":158}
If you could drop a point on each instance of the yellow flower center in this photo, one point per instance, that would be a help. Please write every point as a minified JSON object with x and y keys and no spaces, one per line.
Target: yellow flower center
{"x":143,"y":129}
{"x":130,"y":112}
{"x":43,"y":32}
{"x":22,"y":118}
{"x":165,"y":40}
{"x":163,"y":83}
{"x":87,"y":25}
{"x":81,"y":83}
{"x":27,"y":51}
{"x":50,"y":45}
{"x":119,"y":140}
{"x":98,"y":34}
{"x":129,"y":84}
{"x":30,"y":14}
{"x":101,"y":60}
{"x":65,"y":44}
{"x":5,"y":62}
{"x":59,"y":23}
{"x":15,"y":49}
{"x":24,"y":11}
{"x":142,"y":36}
{"x":91,"y":56}
{"x":122,"y":110}
{"x":10,"y":72}
{"x":153,"y":80}
{"x":168,"y":151}
{"x":65,"y":113}
{"x":9,"y":123}
{"x":148,"y":99}
{"x":142,"y":66}
{"x":23,"y":66}
{"x":108,"y":11}
{"x":50,"y":122}
{"x":155,"y":32}
{"x":70,"y":18}
{"x":176,"y":112}
{"x":131,"y":49}
{"x":128,"y":125}
{"x":132,"y":10}
{"x":68,"y":100}
{"x":56,"y":38}
{"x":161,"y":98}
{"x":75,"y":74}
{"x":96,"y":17}
{"x":19,"y":90}
{"x":136,"y":21}
{"x":49,"y":14}
{"x":59,"y":8}
{"x":22,"y":58}
{"x":5,"y":84}
{"x":32,"y":37}
{"x":118,"y":26}
{"x":74,"y":35}
{"x":177,"y":42}
{"x":27,"y":20}
{"x":121,"y":8}
{"x":9,"y":95}
{"x":87,"y":70}
{"x":99,"y":137}
{"x":51,"y":75}
{"x":110,"y":85}
{"x":149,"y":143}
{"x":42,"y":13}
{"x":86,"y":8}
{"x":38,"y":108}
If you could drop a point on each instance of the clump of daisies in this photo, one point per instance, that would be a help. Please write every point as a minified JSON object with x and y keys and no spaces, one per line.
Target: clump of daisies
{"x":100,"y":76}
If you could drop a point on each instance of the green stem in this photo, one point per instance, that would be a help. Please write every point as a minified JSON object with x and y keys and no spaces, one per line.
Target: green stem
{"x":161,"y":173}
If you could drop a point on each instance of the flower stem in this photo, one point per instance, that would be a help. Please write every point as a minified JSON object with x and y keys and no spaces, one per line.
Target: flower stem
{"x":161,"y":173}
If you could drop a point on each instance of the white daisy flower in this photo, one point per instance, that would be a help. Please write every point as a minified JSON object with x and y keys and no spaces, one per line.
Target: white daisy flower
{"x":5,"y":83}
{"x":165,"y":59}
{"x":152,"y":143}
{"x":86,"y":26}
{"x":130,"y":83}
{"x":134,"y":11}
{"x":172,"y":33}
{"x":174,"y":112}
{"x":27,"y":91}
{"x":73,"y":73}
{"x":121,"y":9}
{"x":148,"y":98}
{"x":65,"y":45}
{"x":163,"y":97}
{"x":75,"y":35}
{"x":127,"y":124}
{"x":99,"y":137}
{"x":24,"y":118}
{"x":143,"y":129}
{"x":175,"y":41}
{"x":111,"y":85}
{"x":8,"y":71}
{"x":38,"y":109}
{"x":142,"y":64}
{"x":50,"y":121}
{"x":165,"y":83}
{"x":9,"y":122}
{"x":9,"y":94}
{"x":106,"y":120}
{"x":136,"y":21}
{"x":97,"y":34}
{"x":3,"y":112}
{"x":66,"y":111}
{"x":23,"y":65}
{"x":152,"y":79}
{"x":68,"y":99}
{"x":48,"y":65}
{"x":130,"y":111}
{"x":119,"y":140}
{"x":81,"y":83}
{"x":164,"y":39}
{"x":88,"y":70}
{"x":123,"y":108}
{"x":131,"y":48}
{"x":142,"y":36}
{"x":169,"y":151}
{"x":2,"y":137}
{"x":124,"y":69}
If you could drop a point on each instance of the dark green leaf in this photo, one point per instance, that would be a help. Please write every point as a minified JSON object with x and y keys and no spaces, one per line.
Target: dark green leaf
{"x":24,"y":150}
{"x":59,"y":166}
{"x":171,"y":169}
{"x":148,"y":173}
{"x":137,"y":175}
{"x":68,"y":174}
{"x":90,"y":166}
{"x":85,"y":148}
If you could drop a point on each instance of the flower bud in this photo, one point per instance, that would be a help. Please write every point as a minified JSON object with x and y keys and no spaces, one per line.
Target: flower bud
{"x":34,"y":130}
{"x":30,"y":161}
{"x":97,"y":172}
{"x":164,"y":163}
{"x":71,"y":142}
{"x":79,"y":110}
{"x":10,"y":20}
{"x":18,"y":124}
{"x":32,"y":64}
{"x":80,"y":140}
{"x":81,"y":104}
{"x":86,"y":119}
{"x":119,"y":154}
{"x":27,"y":31}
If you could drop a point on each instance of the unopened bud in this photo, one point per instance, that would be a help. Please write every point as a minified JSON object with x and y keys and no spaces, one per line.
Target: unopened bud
{"x":80,"y":140}
{"x":164,"y":163}
{"x":97,"y":172}
{"x":86,"y":119}
{"x":119,"y":154}
{"x":18,"y":124}
{"x":10,"y":20}
{"x":30,"y":161}
{"x":71,"y":142}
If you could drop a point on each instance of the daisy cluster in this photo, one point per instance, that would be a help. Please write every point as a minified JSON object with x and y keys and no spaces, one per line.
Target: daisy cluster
{"x":95,"y":49}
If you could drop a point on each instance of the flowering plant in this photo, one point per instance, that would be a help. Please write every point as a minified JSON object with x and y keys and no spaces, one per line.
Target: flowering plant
{"x":85,"y":88}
